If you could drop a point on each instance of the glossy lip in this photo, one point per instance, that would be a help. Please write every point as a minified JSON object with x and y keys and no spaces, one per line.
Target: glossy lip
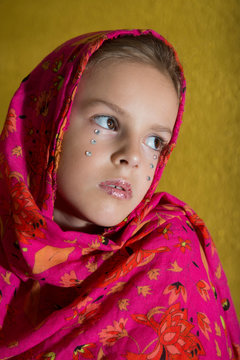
{"x":119,"y":188}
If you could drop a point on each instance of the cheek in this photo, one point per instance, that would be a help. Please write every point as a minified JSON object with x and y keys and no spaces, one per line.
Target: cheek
{"x":80,"y":160}
{"x":149,"y":166}
{"x":146,"y":176}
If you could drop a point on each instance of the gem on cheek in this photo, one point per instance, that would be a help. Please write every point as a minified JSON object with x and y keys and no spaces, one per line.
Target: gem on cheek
{"x":93,"y":141}
{"x":88,"y":153}
{"x":151,"y":166}
{"x":148,"y":178}
{"x":155,"y":157}
{"x":96,"y":131}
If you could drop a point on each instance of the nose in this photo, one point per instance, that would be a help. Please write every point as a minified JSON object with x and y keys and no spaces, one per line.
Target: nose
{"x":127,"y":155}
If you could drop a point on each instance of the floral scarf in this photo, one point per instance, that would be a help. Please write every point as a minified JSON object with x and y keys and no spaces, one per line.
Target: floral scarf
{"x":158,"y":291}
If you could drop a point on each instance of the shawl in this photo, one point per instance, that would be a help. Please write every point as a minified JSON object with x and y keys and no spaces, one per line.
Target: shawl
{"x":158,"y":291}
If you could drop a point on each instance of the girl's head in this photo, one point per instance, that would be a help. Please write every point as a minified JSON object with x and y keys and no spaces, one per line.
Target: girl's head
{"x":122,"y":118}
{"x":89,"y":131}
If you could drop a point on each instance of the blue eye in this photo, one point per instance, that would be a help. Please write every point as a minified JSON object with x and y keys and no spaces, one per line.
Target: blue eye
{"x":107,"y":122}
{"x":155,"y":142}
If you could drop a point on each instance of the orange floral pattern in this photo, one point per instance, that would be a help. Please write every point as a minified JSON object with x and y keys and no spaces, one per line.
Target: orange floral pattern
{"x":113,"y":333}
{"x":25,"y":212}
{"x":153,"y":274}
{"x":70,"y":279}
{"x":204,"y":324}
{"x":175,"y":339}
{"x":203,"y":289}
{"x":183,"y":244}
{"x":175,"y":290}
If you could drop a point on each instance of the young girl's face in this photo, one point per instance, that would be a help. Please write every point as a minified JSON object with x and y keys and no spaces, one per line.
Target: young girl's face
{"x":122,"y":115}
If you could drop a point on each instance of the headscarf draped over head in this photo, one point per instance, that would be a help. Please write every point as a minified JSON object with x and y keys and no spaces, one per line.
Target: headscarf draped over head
{"x":74,"y":295}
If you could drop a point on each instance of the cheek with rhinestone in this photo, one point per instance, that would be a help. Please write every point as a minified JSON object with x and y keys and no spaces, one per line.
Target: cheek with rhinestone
{"x":155,"y":157}
{"x":88,"y":153}
{"x":151,"y":166}
{"x":148,"y":178}
{"x":93,"y":141}
{"x":96,"y":131}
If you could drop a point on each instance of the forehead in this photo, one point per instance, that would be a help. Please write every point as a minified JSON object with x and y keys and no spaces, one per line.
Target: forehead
{"x":125,"y":75}
{"x":142,"y":60}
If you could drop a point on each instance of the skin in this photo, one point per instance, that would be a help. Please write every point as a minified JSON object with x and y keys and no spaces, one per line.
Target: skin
{"x":124,"y":149}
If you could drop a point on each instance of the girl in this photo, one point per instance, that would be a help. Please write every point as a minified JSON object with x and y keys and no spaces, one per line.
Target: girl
{"x":94,"y":264}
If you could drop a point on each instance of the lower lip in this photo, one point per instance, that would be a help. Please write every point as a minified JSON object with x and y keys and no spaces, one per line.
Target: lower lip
{"x":117,"y":193}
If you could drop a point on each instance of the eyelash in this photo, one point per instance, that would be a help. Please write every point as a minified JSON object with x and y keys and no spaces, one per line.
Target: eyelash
{"x":161,"y":140}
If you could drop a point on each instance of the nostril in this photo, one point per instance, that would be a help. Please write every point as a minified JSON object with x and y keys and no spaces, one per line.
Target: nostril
{"x":131,"y":162}
{"x":123,"y":161}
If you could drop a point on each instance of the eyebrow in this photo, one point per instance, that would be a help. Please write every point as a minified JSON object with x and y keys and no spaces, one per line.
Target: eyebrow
{"x":159,"y":128}
{"x":117,"y":109}
{"x":112,"y":106}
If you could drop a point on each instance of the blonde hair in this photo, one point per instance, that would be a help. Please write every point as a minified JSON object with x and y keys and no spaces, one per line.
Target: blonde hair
{"x":142,"y":49}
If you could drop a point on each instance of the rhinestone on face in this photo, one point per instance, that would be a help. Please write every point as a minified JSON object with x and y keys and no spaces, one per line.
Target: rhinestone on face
{"x":155,"y":157}
{"x":96,"y":131}
{"x":88,"y":153}
{"x":93,"y":141}
{"x":148,"y":178}
{"x":151,"y":166}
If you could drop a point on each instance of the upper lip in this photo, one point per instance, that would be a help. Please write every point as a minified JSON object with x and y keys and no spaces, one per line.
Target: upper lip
{"x":123,"y":184}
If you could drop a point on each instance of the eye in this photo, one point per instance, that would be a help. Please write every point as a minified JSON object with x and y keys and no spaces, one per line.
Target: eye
{"x":155,"y":142}
{"x":107,"y":122}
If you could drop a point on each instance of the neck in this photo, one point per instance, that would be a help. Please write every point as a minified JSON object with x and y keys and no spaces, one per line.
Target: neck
{"x":67,"y":220}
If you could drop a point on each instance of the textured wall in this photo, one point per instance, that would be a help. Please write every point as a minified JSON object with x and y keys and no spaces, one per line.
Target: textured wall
{"x":204,"y":171}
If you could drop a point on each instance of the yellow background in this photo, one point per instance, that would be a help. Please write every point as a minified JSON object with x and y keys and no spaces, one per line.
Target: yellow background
{"x":204,"y":171}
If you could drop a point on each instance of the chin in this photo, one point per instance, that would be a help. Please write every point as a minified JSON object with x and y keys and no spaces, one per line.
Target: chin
{"x":107,"y":220}
{"x":107,"y":216}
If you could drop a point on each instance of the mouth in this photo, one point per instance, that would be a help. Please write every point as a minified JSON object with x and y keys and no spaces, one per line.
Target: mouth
{"x":119,"y":189}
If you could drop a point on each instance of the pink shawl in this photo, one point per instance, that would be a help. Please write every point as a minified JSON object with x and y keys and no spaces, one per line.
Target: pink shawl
{"x":158,"y":291}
